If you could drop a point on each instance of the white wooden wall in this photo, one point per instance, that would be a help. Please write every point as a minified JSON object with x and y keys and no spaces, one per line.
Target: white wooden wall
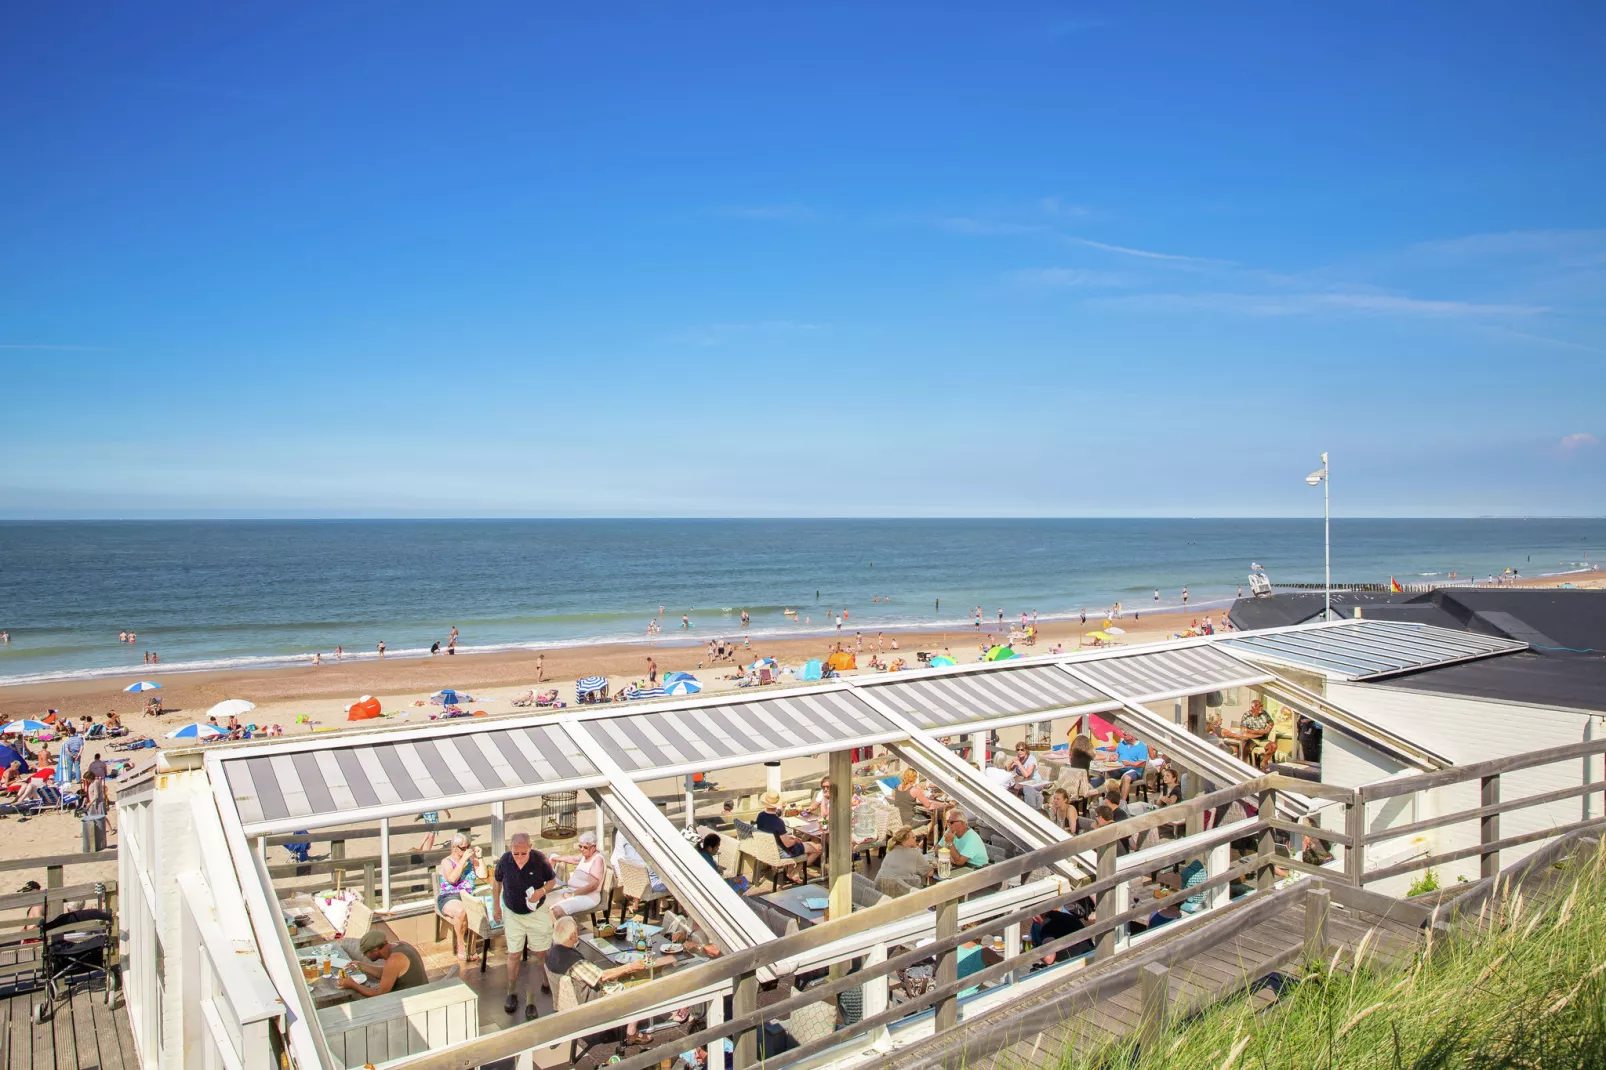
{"x":401,"y":1023}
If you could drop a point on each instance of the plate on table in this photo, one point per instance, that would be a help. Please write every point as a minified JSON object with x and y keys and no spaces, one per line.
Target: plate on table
{"x":815,"y":903}
{"x":672,"y":949}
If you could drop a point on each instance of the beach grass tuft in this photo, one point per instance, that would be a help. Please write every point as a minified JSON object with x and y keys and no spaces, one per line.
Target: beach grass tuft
{"x":1520,"y":985}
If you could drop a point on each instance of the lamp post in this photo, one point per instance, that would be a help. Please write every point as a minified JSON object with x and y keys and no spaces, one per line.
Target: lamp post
{"x":1320,"y":476}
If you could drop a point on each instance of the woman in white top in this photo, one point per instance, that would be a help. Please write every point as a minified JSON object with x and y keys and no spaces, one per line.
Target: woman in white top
{"x":582,"y":892}
{"x":1023,"y":765}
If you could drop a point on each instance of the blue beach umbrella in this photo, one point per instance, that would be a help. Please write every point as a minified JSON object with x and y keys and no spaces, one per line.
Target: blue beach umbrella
{"x":940,"y":660}
{"x":196,"y":730}
{"x":761,"y":662}
{"x":683,"y":686}
{"x":589,"y":684}
{"x":671,"y":677}
{"x":25,"y":727}
{"x":144,"y":685}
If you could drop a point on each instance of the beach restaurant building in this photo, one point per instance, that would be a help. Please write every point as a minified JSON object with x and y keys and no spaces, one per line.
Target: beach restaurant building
{"x":215,"y":955}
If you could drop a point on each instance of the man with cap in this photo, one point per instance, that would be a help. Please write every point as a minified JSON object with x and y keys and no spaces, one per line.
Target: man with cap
{"x":520,"y":884}
{"x":772,"y":822}
{"x":396,"y":965}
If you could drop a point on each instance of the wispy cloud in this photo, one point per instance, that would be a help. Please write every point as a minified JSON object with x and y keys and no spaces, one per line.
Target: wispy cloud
{"x":1058,"y":209}
{"x":987,"y":227}
{"x":29,"y":345}
{"x":792,"y":213}
{"x":1067,"y":277}
{"x":1569,"y":248}
{"x":713,"y":334}
{"x":1308,"y":304}
{"x":1146,"y":254}
{"x":1578,"y":440}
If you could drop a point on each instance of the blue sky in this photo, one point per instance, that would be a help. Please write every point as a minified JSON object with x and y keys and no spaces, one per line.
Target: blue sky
{"x":996,"y":259}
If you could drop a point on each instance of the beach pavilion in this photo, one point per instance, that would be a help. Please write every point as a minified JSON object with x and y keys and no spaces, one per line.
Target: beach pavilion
{"x":214,"y":976}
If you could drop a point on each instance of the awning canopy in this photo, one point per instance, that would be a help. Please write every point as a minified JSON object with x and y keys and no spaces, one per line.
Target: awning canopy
{"x":994,"y":695}
{"x":1366,"y":649}
{"x":1155,"y":675}
{"x":302,"y":784}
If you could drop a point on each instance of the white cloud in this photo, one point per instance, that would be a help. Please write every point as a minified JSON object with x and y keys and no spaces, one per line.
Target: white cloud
{"x":1579,"y":440}
{"x":1580,"y":247}
{"x":986,"y":227}
{"x":1308,"y":304}
{"x":1066,"y":277}
{"x":1146,"y":254}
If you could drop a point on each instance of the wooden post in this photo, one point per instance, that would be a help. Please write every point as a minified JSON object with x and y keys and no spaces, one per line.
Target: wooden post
{"x":1266,"y":876}
{"x":689,"y":802}
{"x":337,"y":852}
{"x":1154,"y":993}
{"x":384,"y":864}
{"x":1318,"y":902}
{"x":1197,"y":715}
{"x":947,"y":964}
{"x":745,"y":1001}
{"x":53,"y":876}
{"x":1355,"y":829}
{"x":839,"y":835}
{"x":1104,"y":906}
{"x":499,"y":831}
{"x":876,"y":999}
{"x":1489,"y":828}
{"x":368,"y":884}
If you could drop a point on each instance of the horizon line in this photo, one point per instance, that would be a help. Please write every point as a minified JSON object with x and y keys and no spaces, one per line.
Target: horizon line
{"x":468,"y":518}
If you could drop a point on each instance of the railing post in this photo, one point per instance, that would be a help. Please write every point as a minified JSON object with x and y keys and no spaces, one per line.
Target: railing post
{"x":499,"y":830}
{"x":1104,"y":906}
{"x":745,"y":1001}
{"x":1154,"y":993}
{"x":1318,"y":902}
{"x":876,"y":999}
{"x":368,"y":884}
{"x":1489,"y":828}
{"x":947,"y":964}
{"x":53,"y":876}
{"x":384,"y":864}
{"x":1355,"y":829}
{"x":1266,"y":876}
{"x":337,"y":851}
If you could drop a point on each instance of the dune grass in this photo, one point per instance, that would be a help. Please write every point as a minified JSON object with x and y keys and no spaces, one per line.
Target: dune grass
{"x":1524,"y":988}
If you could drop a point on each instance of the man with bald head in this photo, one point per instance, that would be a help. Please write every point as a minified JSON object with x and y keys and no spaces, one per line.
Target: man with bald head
{"x":520,"y":885}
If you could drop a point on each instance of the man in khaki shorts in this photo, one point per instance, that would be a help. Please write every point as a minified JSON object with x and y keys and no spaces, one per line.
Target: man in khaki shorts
{"x":519,"y":889}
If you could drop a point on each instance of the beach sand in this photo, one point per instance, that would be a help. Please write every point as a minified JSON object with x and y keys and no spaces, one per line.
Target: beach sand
{"x":319,"y":694}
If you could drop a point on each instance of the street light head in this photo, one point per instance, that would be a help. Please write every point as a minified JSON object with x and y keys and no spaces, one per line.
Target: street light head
{"x":1316,"y":477}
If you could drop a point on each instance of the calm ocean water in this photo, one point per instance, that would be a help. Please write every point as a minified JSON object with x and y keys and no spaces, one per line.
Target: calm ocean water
{"x":216,"y":594}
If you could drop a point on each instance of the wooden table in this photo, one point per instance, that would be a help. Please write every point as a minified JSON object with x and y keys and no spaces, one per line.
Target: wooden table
{"x":326,"y":991}
{"x":790,"y":900}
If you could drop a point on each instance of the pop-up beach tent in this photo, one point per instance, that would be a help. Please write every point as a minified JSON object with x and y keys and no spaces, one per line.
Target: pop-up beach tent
{"x":811,"y":670}
{"x":363,"y":709}
{"x":841,"y":661}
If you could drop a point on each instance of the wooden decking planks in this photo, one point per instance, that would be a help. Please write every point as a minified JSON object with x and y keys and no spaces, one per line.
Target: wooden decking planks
{"x":82,"y":1033}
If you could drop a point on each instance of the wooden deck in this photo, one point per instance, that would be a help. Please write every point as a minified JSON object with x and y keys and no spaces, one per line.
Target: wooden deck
{"x":1084,"y":1014}
{"x":83,"y":1033}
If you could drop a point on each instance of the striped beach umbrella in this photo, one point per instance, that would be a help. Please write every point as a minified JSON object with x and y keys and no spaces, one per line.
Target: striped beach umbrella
{"x":588,"y":684}
{"x":196,"y":730}
{"x":144,"y":685}
{"x":684,"y":686}
{"x":24,"y":727}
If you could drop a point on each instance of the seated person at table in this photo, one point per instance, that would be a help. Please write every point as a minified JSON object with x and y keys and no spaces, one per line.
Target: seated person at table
{"x":790,"y":846}
{"x":709,"y":849}
{"x":459,"y":871}
{"x":1134,"y":758}
{"x":393,"y":964}
{"x":821,"y":803}
{"x":1061,"y":810}
{"x":1108,"y":815}
{"x":963,"y":843}
{"x":582,"y":892}
{"x":1053,"y":924}
{"x":1169,"y":908}
{"x":1023,"y":765}
{"x":565,"y":960}
{"x":1170,"y":787}
{"x":1252,"y":732}
{"x":905,"y":867}
{"x":624,"y":850}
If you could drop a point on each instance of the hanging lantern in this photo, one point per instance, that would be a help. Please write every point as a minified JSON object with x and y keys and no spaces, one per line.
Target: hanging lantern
{"x":560,"y":813}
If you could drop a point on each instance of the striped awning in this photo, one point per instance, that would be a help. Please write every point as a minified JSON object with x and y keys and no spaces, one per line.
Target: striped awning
{"x":991,"y":695}
{"x":325,"y":786}
{"x":1364,"y":649}
{"x":1162,"y":674}
{"x":673,"y":741}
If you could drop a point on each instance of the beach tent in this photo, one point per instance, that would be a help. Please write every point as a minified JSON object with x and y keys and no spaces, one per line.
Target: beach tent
{"x":365,"y":708}
{"x":841,"y":661}
{"x":686,"y":685}
{"x":811,"y":670}
{"x":1001,"y":653}
{"x":9,"y":755}
{"x":939,"y":661}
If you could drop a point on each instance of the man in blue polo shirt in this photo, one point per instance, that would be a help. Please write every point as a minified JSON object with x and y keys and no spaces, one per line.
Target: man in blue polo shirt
{"x":1134,"y":758}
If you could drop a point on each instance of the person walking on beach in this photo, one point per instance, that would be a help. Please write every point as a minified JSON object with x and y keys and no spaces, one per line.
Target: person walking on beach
{"x":652,"y":670}
{"x":452,"y":641}
{"x":340,"y":653}
{"x":839,"y":624}
{"x":147,"y":657}
{"x":381,"y":650}
{"x":936,"y":606}
{"x":1157,"y":593}
{"x":1184,"y":596}
{"x":540,"y":668}
{"x":1084,"y":614}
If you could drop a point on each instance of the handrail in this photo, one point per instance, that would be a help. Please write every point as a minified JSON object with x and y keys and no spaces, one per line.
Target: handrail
{"x":1458,"y":774}
{"x":739,"y":964}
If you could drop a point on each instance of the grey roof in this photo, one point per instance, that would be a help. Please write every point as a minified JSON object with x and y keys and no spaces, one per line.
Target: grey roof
{"x":712,"y":736}
{"x":1363,"y":649}
{"x":984,"y":695}
{"x":1575,"y":681}
{"x":324,"y":783}
{"x":1163,"y":674}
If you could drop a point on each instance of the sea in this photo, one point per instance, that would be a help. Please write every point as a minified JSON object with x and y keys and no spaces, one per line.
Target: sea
{"x":235,"y":594}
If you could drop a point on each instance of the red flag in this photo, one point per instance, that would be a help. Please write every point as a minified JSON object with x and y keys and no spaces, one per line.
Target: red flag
{"x":1394,"y":585}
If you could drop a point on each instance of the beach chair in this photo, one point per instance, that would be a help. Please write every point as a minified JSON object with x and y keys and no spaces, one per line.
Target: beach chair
{"x":765,"y":676}
{"x":764,"y":851}
{"x":636,"y":884}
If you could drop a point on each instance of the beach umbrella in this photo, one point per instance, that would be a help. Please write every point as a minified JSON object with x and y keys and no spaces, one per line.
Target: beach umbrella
{"x":761,"y":662}
{"x":197,"y":730}
{"x":671,"y":677}
{"x":940,"y":660}
{"x":683,"y":686}
{"x":144,"y":685}
{"x":1115,"y":630}
{"x":25,"y":727}
{"x":589,"y":684}
{"x":231,"y":707}
{"x":1000,"y":653}
{"x":449,"y":697}
{"x":1101,"y":636}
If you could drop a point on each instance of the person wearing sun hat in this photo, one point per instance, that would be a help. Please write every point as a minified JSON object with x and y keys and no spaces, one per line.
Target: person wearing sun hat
{"x":392,"y":963}
{"x":771,"y":821}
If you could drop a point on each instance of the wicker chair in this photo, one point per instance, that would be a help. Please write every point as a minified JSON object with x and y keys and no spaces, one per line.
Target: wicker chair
{"x":636,"y":884}
{"x":766,"y":854}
